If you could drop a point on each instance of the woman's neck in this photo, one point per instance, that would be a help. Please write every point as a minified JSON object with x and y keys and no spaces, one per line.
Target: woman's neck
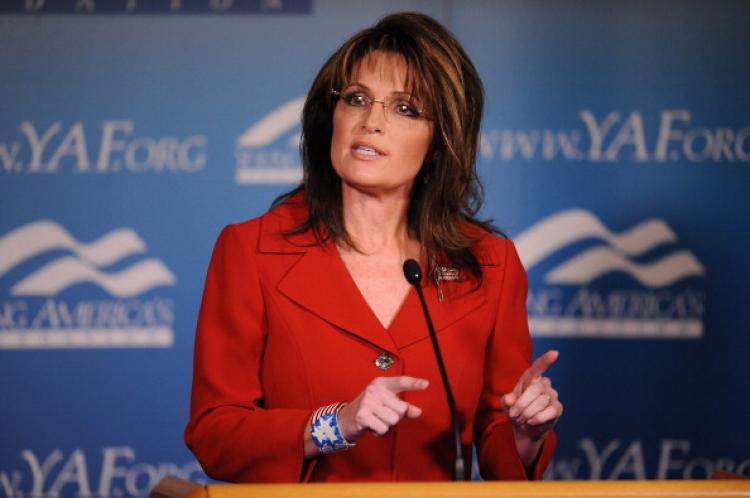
{"x":377,"y":224}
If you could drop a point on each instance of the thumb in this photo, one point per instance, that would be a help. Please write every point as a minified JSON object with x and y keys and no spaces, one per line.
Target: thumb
{"x":508,"y":400}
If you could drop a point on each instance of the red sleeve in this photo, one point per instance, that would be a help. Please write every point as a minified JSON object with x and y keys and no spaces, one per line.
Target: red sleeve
{"x":508,"y":355}
{"x":232,"y":435}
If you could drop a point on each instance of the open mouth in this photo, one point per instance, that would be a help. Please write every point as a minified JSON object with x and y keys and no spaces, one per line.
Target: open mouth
{"x":366,"y":151}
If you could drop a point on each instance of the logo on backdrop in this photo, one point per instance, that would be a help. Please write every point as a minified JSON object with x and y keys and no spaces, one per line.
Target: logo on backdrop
{"x":268,"y":151}
{"x":110,"y":147}
{"x":121,"y":474}
{"x":633,"y":284}
{"x":43,"y":265}
{"x":667,"y":136}
{"x":633,"y":460}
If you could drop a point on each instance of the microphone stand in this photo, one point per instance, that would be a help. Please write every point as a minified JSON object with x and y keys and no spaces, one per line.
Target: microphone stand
{"x":413,"y":274}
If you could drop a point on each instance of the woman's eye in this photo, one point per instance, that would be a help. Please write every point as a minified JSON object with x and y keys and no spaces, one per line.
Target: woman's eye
{"x":406,"y":109}
{"x":356,"y":100}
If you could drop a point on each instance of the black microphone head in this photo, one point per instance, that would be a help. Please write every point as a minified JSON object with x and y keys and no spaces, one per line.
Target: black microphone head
{"x":412,"y":271}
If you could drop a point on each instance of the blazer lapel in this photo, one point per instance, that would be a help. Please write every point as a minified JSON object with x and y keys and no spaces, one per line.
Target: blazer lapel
{"x":319,"y":281}
{"x":459,"y":299}
{"x":410,"y":325}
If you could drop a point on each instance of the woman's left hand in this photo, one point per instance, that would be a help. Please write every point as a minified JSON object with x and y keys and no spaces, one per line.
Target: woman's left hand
{"x":533,"y":407}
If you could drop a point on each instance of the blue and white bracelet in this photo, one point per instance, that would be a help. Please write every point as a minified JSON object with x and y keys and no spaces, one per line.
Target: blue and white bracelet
{"x":325,"y":431}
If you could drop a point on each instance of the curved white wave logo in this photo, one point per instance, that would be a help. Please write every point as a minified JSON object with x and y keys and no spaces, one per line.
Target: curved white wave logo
{"x":42,"y":236}
{"x":564,"y":228}
{"x":258,"y":161}
{"x":656,"y":310}
{"x":125,"y":320}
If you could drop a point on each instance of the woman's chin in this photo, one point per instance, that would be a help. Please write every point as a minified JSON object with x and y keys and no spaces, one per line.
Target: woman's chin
{"x":376,"y":186}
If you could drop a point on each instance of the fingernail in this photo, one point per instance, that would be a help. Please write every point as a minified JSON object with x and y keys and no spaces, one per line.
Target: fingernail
{"x":423,"y":383}
{"x":513,"y":412}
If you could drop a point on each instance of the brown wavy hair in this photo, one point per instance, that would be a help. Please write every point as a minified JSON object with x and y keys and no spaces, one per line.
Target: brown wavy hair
{"x":447,"y":194}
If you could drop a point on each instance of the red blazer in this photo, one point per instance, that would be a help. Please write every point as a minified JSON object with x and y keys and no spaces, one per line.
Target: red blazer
{"x":283,"y":330}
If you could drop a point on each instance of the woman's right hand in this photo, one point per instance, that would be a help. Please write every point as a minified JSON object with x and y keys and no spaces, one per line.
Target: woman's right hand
{"x":378,"y":407}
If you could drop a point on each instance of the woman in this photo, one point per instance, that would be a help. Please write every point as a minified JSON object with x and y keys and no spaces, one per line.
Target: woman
{"x":312,"y":357}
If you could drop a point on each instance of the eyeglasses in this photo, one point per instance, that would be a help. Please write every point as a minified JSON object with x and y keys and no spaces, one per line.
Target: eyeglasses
{"x":401,"y":109}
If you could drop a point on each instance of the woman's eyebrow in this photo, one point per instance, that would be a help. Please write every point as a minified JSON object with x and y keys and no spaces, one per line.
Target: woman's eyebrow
{"x":366,"y":88}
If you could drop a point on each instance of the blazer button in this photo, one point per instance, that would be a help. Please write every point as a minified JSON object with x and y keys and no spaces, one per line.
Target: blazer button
{"x":384,"y":361}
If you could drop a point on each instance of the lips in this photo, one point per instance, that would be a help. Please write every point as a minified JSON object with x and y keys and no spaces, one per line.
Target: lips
{"x":366,"y":150}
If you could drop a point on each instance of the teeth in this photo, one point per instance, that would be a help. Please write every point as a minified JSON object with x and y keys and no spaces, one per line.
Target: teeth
{"x":367,"y":151}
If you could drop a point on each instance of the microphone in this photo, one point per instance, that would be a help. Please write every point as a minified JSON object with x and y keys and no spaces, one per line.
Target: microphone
{"x":413,"y":274}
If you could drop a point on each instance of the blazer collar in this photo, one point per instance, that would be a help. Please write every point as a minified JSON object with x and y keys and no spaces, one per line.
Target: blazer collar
{"x":320,"y":282}
{"x":279,"y":221}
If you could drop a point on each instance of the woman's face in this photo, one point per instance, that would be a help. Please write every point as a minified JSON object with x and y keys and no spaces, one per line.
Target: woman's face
{"x":374,"y":149}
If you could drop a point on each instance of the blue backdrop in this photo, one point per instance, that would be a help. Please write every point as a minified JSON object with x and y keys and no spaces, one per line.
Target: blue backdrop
{"x":615,"y":151}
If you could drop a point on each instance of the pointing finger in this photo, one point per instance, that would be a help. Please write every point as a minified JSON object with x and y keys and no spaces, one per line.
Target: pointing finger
{"x":404,"y":383}
{"x":541,"y":364}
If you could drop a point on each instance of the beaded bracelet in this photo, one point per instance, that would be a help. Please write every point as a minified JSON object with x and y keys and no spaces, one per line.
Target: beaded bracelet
{"x":325,"y":431}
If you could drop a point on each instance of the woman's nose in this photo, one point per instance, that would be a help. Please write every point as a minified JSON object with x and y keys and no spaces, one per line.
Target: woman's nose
{"x":374,"y":119}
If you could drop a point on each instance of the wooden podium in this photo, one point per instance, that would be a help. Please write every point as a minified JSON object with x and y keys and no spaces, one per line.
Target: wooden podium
{"x":173,"y":487}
